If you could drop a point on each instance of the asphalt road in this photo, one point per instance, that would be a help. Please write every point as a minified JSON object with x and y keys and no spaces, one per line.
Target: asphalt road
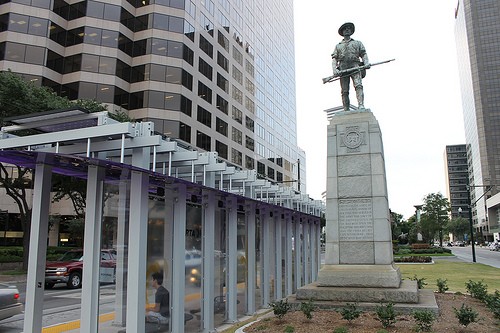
{"x":483,"y":255}
{"x":59,"y":305}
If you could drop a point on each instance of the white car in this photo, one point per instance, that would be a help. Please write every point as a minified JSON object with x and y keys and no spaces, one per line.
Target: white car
{"x":9,"y":301}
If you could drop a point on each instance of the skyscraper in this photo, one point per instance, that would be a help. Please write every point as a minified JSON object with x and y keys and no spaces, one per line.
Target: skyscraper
{"x":477,"y":34}
{"x":455,"y":158}
{"x":216,"y":75}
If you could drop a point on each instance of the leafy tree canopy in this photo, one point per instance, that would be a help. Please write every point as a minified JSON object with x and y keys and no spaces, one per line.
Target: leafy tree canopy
{"x":434,"y":216}
{"x":18,"y":97}
{"x":458,"y":226}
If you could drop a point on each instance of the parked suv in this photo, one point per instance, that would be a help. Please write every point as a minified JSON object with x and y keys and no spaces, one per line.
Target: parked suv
{"x":68,"y":269}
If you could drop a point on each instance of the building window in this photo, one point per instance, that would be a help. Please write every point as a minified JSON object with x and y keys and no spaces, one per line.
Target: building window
{"x":261,"y":169}
{"x":279,"y":176}
{"x":187,"y":80}
{"x":249,"y":68}
{"x":103,"y":11}
{"x":222,"y":104}
{"x":222,"y":61}
{"x":261,"y":132}
{"x":237,"y":56}
{"x":270,"y":172}
{"x":205,"y":69}
{"x":223,"y":41}
{"x":186,"y":105}
{"x":203,"y":141}
{"x":221,"y":126}
{"x":249,"y":86}
{"x":236,"y":156}
{"x":222,"y":83}
{"x":204,"y":117}
{"x":237,"y":75}
{"x":204,"y":92}
{"x":209,"y":5}
{"x":55,"y":61}
{"x":168,"y":23}
{"x":189,"y":31}
{"x":185,"y":132}
{"x":249,"y":123}
{"x":221,"y":149}
{"x":236,"y":135}
{"x":206,"y":46}
{"x":237,"y":95}
{"x":249,"y":163}
{"x":223,"y":20}
{"x":249,"y":104}
{"x":22,"y":53}
{"x":249,"y":142}
{"x":70,"y":12}
{"x":207,"y":24}
{"x":237,"y":115}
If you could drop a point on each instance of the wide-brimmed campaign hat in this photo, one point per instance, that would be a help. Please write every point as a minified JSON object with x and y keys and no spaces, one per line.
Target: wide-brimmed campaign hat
{"x":348,"y":24}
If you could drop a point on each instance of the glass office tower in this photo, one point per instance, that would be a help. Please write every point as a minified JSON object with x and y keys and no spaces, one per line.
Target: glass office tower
{"x":216,"y":75}
{"x":477,"y":34}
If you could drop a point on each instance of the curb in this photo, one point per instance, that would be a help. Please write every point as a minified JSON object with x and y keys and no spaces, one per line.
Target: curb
{"x":261,"y":314}
{"x":11,"y":279}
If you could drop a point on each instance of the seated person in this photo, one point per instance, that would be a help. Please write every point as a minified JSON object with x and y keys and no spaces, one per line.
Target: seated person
{"x":161,"y":311}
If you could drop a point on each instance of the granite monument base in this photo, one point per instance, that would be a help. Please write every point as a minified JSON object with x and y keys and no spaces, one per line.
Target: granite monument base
{"x":336,"y":298}
{"x":370,"y":276}
{"x":406,"y":293}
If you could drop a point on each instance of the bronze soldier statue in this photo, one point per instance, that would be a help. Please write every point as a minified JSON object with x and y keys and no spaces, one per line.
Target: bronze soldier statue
{"x":350,"y":54}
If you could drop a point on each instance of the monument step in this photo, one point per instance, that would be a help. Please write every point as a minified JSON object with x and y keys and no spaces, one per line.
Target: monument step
{"x":426,"y":301}
{"x":406,"y":293}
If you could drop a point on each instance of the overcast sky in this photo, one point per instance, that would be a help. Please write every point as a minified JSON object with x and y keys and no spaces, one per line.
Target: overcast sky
{"x":416,"y":98}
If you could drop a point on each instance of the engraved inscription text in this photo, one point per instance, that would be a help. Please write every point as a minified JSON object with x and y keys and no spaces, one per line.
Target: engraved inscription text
{"x":355,"y":220}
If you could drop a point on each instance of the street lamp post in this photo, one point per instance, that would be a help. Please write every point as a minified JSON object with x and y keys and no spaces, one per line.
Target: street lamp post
{"x":471,"y":226}
{"x":487,"y":189}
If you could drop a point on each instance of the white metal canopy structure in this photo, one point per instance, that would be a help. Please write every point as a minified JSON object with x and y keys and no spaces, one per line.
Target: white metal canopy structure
{"x":256,"y":240}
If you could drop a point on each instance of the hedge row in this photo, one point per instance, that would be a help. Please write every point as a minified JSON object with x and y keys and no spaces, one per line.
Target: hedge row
{"x":435,"y":250}
{"x":15,"y":253}
{"x":415,"y":259}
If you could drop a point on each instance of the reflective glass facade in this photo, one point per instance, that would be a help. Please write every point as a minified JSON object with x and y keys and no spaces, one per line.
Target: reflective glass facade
{"x":478,"y":46}
{"x":218,"y":75}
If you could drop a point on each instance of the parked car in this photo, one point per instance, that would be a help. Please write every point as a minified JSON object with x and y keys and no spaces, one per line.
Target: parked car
{"x":9,"y":301}
{"x":459,"y":243}
{"x":494,"y":246}
{"x":69,"y":268}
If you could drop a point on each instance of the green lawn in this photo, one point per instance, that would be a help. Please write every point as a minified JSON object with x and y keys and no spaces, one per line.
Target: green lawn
{"x":457,"y":274}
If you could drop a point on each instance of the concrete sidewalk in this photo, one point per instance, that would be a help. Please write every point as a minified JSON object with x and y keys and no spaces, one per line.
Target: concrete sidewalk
{"x":12,"y":279}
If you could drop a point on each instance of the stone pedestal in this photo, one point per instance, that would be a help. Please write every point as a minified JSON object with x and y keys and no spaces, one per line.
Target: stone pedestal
{"x":359,"y":264}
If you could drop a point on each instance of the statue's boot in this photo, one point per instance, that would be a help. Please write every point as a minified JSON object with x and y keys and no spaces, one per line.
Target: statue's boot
{"x":361,"y":97}
{"x":345,"y":101}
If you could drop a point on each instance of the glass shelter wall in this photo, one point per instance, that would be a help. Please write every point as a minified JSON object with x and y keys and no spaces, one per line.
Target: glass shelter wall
{"x":242,"y":265}
{"x":139,"y":216}
{"x":193,"y":263}
{"x":220,"y":257}
{"x":115,"y":236}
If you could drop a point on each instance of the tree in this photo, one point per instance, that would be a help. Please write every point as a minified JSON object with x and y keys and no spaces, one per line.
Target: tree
{"x":412,"y":228}
{"x":18,"y":97}
{"x":434,"y":216}
{"x":458,"y":226}
{"x":397,"y":225}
